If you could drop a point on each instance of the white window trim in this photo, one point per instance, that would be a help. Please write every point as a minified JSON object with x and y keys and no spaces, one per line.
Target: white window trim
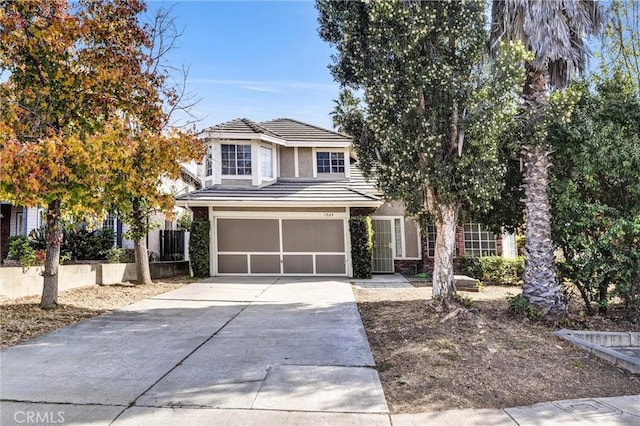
{"x":20,"y":222}
{"x":253,"y":165}
{"x":345,"y":154}
{"x":477,"y":227}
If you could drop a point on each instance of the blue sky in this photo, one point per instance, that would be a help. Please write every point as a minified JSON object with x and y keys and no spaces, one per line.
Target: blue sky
{"x":255,"y":59}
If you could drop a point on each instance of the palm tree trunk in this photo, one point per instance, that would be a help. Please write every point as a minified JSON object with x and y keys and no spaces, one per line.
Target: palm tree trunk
{"x":53,"y":234}
{"x":540,"y":283}
{"x":446,"y":222}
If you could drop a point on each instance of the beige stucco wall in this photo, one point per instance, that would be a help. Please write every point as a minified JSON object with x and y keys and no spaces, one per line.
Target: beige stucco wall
{"x":236,"y":182}
{"x":305,"y":162}
{"x":287,"y":162}
{"x":389,"y":209}
{"x":411,"y":238}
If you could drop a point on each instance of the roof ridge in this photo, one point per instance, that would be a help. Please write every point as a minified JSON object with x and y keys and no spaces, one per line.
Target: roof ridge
{"x":308,"y":125}
{"x":256,"y":127}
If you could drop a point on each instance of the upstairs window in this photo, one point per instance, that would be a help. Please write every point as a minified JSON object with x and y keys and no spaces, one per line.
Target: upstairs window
{"x":236,"y":160}
{"x":208,"y":162}
{"x":330,"y":162}
{"x":266,"y":155}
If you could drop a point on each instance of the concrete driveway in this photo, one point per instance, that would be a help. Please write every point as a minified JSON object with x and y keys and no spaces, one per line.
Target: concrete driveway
{"x":222,"y":351}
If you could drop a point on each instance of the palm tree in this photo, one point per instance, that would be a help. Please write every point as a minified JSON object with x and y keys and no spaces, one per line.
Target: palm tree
{"x":345,"y":105}
{"x":555,"y":32}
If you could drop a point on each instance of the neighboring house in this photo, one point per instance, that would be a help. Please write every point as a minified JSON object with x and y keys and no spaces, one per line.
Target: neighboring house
{"x":188,"y":182}
{"x":17,"y":220}
{"x":279,"y":195}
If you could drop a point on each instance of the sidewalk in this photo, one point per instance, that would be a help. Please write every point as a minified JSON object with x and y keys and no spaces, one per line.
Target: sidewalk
{"x":235,"y":351}
{"x":623,"y":410}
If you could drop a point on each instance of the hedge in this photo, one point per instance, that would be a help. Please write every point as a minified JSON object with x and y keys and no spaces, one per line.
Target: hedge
{"x":361,"y":245}
{"x":493,"y":269}
{"x":199,"y":248}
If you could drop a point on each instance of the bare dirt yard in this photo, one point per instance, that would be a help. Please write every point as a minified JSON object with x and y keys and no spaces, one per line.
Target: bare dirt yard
{"x":22,"y":319}
{"x":504,"y":360}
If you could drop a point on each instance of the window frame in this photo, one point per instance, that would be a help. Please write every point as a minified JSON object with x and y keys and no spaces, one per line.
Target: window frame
{"x":476,"y":233}
{"x":230,"y":166}
{"x":333,"y":156}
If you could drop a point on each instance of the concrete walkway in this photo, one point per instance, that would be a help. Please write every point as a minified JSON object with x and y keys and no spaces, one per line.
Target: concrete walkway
{"x":226,"y":351}
{"x":234,"y":352}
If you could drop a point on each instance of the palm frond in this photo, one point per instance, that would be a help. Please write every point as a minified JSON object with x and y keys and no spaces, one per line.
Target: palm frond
{"x":555,"y":31}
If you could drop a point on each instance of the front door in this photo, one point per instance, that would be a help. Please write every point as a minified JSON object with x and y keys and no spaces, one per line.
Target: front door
{"x":382,"y":246}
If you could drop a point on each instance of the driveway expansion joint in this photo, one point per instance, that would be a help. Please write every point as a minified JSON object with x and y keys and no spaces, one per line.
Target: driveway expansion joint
{"x":24,"y":401}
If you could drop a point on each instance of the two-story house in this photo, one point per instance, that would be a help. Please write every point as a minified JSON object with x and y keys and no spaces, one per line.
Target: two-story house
{"x":279,"y":195}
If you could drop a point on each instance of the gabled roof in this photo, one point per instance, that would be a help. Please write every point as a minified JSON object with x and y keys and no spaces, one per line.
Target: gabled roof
{"x":336,"y":193}
{"x":241,"y":125}
{"x":242,"y":128}
{"x":297,"y":133}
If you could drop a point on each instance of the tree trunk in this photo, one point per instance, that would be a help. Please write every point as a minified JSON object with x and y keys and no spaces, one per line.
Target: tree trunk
{"x":53,"y":234}
{"x":142,"y":261}
{"x":540,"y":283}
{"x":446,"y":222}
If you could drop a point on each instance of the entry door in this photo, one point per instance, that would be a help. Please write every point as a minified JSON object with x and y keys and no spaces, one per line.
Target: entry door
{"x":382,"y":246}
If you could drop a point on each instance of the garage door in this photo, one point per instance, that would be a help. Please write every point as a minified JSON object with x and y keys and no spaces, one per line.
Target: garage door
{"x":280,"y":246}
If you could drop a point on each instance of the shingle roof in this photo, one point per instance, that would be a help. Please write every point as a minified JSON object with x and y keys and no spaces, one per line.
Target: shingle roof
{"x":299,"y":193}
{"x":242,"y":125}
{"x":294,"y":130}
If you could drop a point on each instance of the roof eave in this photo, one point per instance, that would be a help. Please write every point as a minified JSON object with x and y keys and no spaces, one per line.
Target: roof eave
{"x":318,"y":144}
{"x":243,"y":136}
{"x":230,"y":203}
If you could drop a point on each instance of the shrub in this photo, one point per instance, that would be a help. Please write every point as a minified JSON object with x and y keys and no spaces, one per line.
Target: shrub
{"x":185,"y":220}
{"x":361,"y":245}
{"x":493,"y":269}
{"x":18,"y":245}
{"x":21,"y":249}
{"x":120,"y":255}
{"x":199,"y":248}
{"x":520,"y":305}
{"x":78,"y":243}
{"x":86,"y":245}
{"x":470,"y":266}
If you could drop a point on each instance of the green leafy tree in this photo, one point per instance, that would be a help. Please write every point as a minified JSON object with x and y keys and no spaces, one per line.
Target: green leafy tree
{"x":71,"y":71}
{"x":595,"y":193}
{"x":434,"y":109}
{"x":555,"y":32}
{"x":620,"y":44}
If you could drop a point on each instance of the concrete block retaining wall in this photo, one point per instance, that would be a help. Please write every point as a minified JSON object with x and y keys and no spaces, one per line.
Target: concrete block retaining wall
{"x":17,"y":282}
